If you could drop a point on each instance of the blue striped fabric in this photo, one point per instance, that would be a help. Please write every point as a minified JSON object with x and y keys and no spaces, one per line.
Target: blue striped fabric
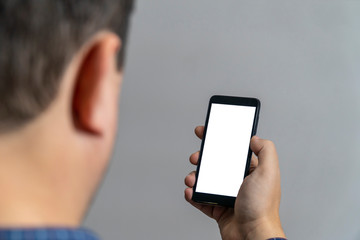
{"x":46,"y":234}
{"x":277,"y":239}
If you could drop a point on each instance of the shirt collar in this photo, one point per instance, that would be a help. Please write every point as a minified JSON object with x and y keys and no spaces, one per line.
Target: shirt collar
{"x":47,"y":234}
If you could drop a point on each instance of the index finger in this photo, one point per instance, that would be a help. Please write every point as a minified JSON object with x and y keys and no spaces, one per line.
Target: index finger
{"x":199,"y":131}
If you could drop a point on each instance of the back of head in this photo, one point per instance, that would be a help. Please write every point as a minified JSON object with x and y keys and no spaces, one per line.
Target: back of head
{"x":37,"y":40}
{"x":60,"y":77}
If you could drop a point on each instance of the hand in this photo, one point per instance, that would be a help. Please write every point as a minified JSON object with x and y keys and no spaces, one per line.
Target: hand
{"x":256,"y":211}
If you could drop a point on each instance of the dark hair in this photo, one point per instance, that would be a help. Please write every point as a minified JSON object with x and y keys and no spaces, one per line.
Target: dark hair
{"x":38,"y":39}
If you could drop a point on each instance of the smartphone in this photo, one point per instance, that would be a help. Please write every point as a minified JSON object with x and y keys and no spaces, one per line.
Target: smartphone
{"x":225,"y":153}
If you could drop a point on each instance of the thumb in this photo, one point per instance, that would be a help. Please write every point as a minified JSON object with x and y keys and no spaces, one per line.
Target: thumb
{"x":265,"y":151}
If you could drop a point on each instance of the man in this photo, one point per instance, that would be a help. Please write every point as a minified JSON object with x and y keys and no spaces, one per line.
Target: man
{"x":61,"y":68}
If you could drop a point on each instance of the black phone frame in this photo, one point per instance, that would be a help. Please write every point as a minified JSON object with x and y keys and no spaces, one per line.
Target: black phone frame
{"x":221,"y":200}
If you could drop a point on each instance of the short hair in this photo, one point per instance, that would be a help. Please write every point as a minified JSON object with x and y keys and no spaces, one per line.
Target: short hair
{"x":38,"y":38}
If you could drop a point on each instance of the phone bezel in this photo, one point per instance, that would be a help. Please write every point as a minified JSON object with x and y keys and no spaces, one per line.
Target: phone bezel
{"x":213,"y":199}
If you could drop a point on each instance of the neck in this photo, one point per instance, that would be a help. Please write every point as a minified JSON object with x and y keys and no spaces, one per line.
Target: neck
{"x":35,"y":191}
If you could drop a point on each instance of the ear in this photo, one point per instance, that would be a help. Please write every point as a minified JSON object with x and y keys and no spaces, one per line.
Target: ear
{"x":95,"y":84}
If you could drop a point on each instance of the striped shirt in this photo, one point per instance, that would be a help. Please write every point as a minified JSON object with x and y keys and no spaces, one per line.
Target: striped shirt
{"x":47,"y":234}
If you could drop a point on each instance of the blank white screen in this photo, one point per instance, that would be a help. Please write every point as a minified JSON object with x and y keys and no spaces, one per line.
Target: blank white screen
{"x":225,"y":149}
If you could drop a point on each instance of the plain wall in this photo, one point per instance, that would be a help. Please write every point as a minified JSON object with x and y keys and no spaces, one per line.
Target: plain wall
{"x":301,"y":58}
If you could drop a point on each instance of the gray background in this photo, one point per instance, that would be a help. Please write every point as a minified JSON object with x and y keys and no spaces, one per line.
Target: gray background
{"x":301,"y":58}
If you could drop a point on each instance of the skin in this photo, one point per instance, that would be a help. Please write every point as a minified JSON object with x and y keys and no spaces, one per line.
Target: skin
{"x":256,"y":211}
{"x":50,"y":168}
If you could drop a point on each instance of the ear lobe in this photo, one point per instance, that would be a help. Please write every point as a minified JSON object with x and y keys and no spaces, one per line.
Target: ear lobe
{"x":91,"y":85}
